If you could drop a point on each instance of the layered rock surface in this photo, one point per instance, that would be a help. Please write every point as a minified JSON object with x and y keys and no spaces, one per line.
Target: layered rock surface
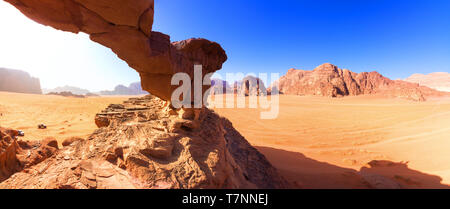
{"x":146,"y":144}
{"x":19,"y":82}
{"x":125,"y":26}
{"x":331,"y":81}
{"x":439,"y":80}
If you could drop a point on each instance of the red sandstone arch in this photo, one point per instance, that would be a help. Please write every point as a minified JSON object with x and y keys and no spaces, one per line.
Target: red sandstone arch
{"x":125,"y":26}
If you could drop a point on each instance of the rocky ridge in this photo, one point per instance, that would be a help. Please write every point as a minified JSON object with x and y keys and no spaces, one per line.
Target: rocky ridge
{"x":331,"y":81}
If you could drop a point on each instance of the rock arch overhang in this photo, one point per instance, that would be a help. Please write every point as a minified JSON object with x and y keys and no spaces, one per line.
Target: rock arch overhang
{"x":125,"y":26}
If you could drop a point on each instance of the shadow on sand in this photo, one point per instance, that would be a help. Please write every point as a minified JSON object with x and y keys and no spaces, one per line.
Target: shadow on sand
{"x":307,"y":173}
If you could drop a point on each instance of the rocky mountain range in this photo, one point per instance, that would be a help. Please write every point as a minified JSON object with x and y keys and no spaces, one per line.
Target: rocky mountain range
{"x":132,"y":89}
{"x":72,"y":89}
{"x":331,"y":81}
{"x":439,"y":80}
{"x":19,"y":81}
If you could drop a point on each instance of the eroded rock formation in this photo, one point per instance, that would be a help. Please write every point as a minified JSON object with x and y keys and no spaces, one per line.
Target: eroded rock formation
{"x":331,"y":81}
{"x":147,"y":144}
{"x":249,"y":85}
{"x":125,"y":26}
{"x":19,"y":82}
{"x":17,"y":155}
{"x":144,"y":143}
{"x":219,"y":86}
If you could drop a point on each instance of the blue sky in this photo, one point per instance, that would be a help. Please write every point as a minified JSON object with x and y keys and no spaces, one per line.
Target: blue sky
{"x":394,"y":37}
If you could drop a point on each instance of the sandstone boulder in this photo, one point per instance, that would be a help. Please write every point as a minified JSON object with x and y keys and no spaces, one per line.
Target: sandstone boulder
{"x":71,"y":140}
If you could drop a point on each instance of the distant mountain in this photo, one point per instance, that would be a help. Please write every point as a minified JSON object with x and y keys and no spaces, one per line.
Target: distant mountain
{"x":132,"y":89}
{"x":439,"y":81}
{"x":249,"y":85}
{"x":72,"y":89}
{"x":67,"y":94}
{"x":219,"y":86}
{"x":19,"y":81}
{"x":331,"y":81}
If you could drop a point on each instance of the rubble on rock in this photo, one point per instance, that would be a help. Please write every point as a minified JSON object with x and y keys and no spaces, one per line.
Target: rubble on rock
{"x":17,"y":155}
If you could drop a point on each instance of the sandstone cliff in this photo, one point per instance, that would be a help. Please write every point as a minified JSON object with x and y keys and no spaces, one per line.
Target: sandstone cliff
{"x":19,"y":82}
{"x":219,"y":86}
{"x":249,"y":85}
{"x":331,"y":81}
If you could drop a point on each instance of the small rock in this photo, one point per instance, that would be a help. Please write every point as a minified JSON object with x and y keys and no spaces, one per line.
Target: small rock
{"x":71,"y":140}
{"x":51,"y":142}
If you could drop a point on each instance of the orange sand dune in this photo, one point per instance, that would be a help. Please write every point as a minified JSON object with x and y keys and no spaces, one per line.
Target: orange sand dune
{"x":320,"y":137}
{"x":65,"y":117}
{"x":315,"y":142}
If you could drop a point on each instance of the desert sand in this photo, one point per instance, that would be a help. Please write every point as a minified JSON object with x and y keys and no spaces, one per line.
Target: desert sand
{"x":64,"y":116}
{"x":321,"y":142}
{"x":315,"y":142}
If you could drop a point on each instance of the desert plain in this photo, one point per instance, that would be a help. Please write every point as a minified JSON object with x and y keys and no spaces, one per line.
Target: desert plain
{"x":315,"y":142}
